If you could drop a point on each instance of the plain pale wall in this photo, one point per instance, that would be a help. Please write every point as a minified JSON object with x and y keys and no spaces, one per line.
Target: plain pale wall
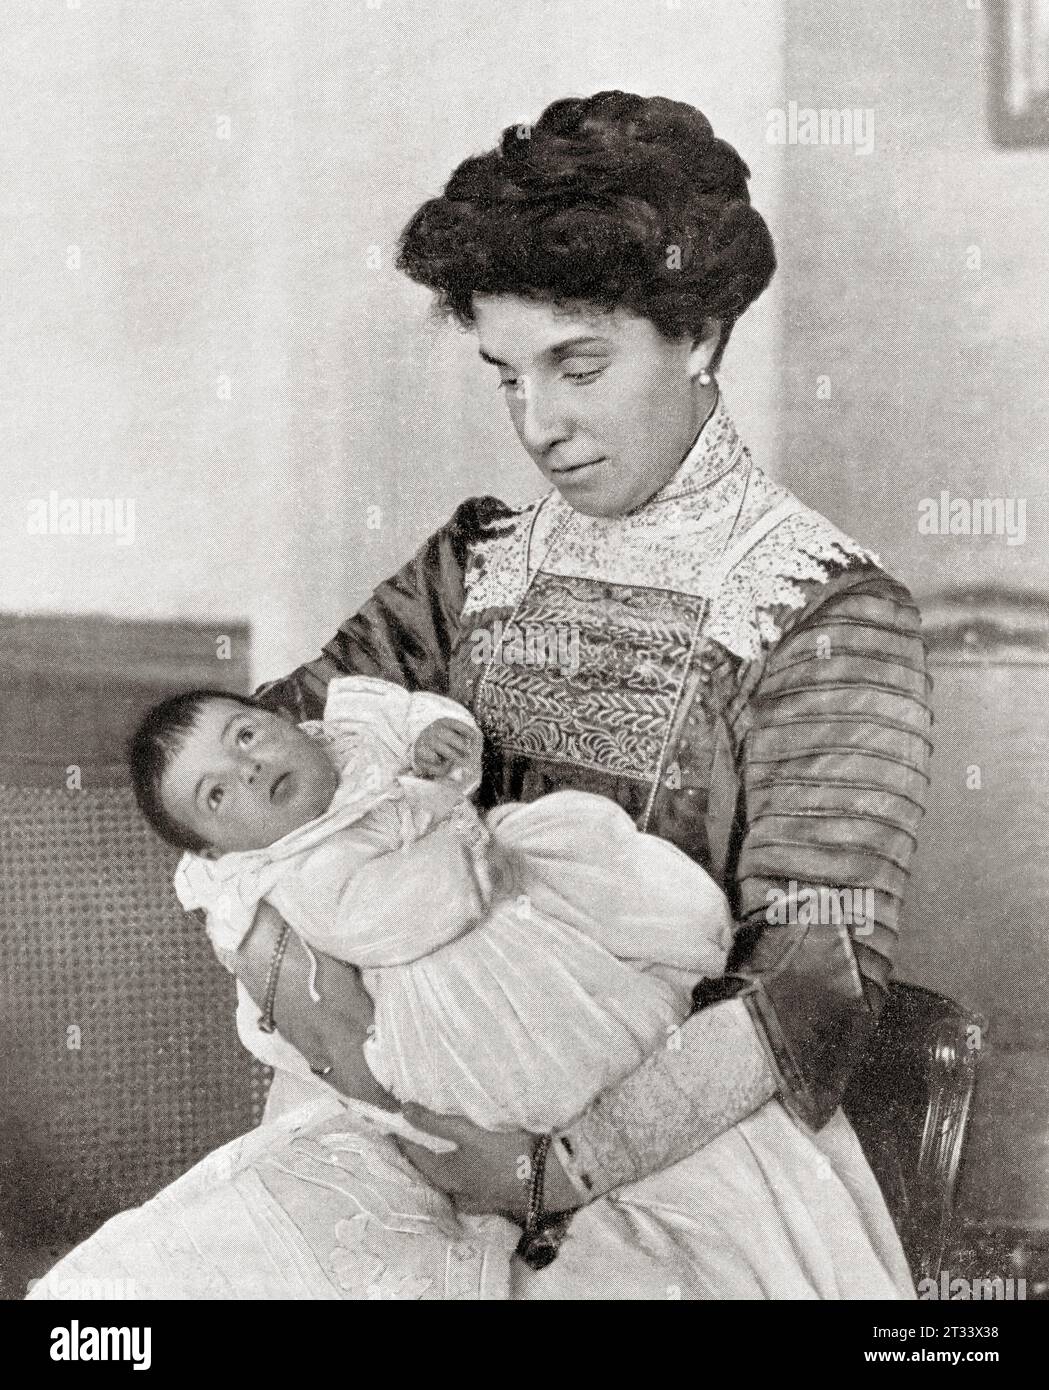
{"x":937,"y":362}
{"x":225,"y":354}
{"x":915,"y":278}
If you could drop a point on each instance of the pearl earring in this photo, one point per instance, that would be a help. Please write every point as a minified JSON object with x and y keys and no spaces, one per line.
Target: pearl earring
{"x":705,"y":378}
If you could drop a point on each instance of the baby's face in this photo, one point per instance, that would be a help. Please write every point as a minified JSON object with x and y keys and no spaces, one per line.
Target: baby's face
{"x":244,"y":778}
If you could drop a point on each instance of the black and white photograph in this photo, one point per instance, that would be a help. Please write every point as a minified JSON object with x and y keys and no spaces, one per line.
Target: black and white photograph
{"x":524,"y":660}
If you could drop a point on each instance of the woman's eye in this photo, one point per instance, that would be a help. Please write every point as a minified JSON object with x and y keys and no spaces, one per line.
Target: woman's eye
{"x":591,"y":375}
{"x":508,"y":383}
{"x":215,"y":798}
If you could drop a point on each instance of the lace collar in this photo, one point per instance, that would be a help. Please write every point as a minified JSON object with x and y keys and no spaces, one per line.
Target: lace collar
{"x":720,"y":529}
{"x":716,"y":451}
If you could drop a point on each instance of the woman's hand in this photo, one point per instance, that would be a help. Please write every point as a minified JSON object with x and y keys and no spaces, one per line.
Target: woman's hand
{"x":331,"y":1032}
{"x":488,"y":1173}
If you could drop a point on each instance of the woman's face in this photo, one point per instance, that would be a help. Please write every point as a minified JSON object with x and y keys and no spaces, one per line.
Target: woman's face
{"x":605,"y":405}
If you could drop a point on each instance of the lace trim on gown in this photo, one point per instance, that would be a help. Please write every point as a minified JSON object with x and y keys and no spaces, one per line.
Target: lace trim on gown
{"x":677,"y":542}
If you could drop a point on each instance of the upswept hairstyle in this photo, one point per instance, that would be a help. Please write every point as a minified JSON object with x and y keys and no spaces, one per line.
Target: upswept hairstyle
{"x":152,"y":748}
{"x":613,"y":200}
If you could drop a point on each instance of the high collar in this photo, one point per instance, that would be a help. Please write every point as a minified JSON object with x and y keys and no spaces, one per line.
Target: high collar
{"x":720,"y":529}
{"x":717,"y":450}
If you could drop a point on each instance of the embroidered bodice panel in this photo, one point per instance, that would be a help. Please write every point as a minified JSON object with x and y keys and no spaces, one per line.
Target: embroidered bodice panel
{"x":579,"y":633}
{"x":721,"y":529}
{"x":797,"y":752}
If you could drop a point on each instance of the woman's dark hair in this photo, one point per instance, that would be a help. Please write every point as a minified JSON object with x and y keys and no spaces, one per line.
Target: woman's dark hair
{"x":611,"y":201}
{"x":152,"y":748}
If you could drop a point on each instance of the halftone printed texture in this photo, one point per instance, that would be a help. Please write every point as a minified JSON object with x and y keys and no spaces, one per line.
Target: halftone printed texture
{"x":614,"y":200}
{"x":122,"y":1065}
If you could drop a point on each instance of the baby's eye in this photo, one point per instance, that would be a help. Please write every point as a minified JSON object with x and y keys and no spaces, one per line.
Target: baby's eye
{"x":245,"y":735}
{"x":214,"y":800}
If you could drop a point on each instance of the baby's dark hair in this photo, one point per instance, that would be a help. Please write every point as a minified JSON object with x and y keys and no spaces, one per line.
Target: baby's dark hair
{"x":153,"y":747}
{"x":613,"y":200}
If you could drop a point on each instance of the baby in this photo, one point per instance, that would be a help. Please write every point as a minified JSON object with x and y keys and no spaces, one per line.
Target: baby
{"x":519,"y":963}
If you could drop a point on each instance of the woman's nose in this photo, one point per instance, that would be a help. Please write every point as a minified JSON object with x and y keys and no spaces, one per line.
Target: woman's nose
{"x":541,"y":422}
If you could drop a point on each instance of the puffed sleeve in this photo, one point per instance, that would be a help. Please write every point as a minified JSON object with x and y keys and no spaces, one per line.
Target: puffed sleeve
{"x":406,"y":630}
{"x":392,"y":718}
{"x":834,"y":745}
{"x":228,"y":898}
{"x":826,"y":781}
{"x":373,"y":898}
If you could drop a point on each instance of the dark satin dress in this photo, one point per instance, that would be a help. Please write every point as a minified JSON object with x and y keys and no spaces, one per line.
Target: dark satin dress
{"x":795,"y":775}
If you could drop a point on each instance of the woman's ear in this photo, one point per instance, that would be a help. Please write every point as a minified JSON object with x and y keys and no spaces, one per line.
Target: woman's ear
{"x":704,"y":348}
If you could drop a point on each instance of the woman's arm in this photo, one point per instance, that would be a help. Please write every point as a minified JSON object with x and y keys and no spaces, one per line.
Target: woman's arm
{"x":405,"y":632}
{"x":329,"y":1033}
{"x":834,"y":750}
{"x":710,"y":1075}
{"x":356,"y":899}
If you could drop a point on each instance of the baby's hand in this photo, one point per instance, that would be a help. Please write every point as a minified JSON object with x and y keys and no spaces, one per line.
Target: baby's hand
{"x":443,"y":747}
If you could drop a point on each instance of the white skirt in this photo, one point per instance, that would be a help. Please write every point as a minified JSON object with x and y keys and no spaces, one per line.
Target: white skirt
{"x":319,"y":1203}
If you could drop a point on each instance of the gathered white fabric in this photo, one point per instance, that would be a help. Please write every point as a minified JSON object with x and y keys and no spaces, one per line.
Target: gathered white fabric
{"x":559,"y":990}
{"x":314,"y":1205}
{"x":545,"y":993}
{"x":513,"y":1009}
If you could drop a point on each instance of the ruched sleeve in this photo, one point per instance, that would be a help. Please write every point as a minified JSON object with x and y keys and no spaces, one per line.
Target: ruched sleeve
{"x":833,"y":738}
{"x":228,"y":898}
{"x":406,"y":630}
{"x":390,"y":719}
{"x":368,"y":898}
{"x":829,"y":736}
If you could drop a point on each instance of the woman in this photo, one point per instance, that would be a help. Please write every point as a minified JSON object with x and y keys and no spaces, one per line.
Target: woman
{"x":746,"y":682}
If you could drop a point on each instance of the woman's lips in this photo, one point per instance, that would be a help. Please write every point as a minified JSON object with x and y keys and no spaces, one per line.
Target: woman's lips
{"x":576,"y":470}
